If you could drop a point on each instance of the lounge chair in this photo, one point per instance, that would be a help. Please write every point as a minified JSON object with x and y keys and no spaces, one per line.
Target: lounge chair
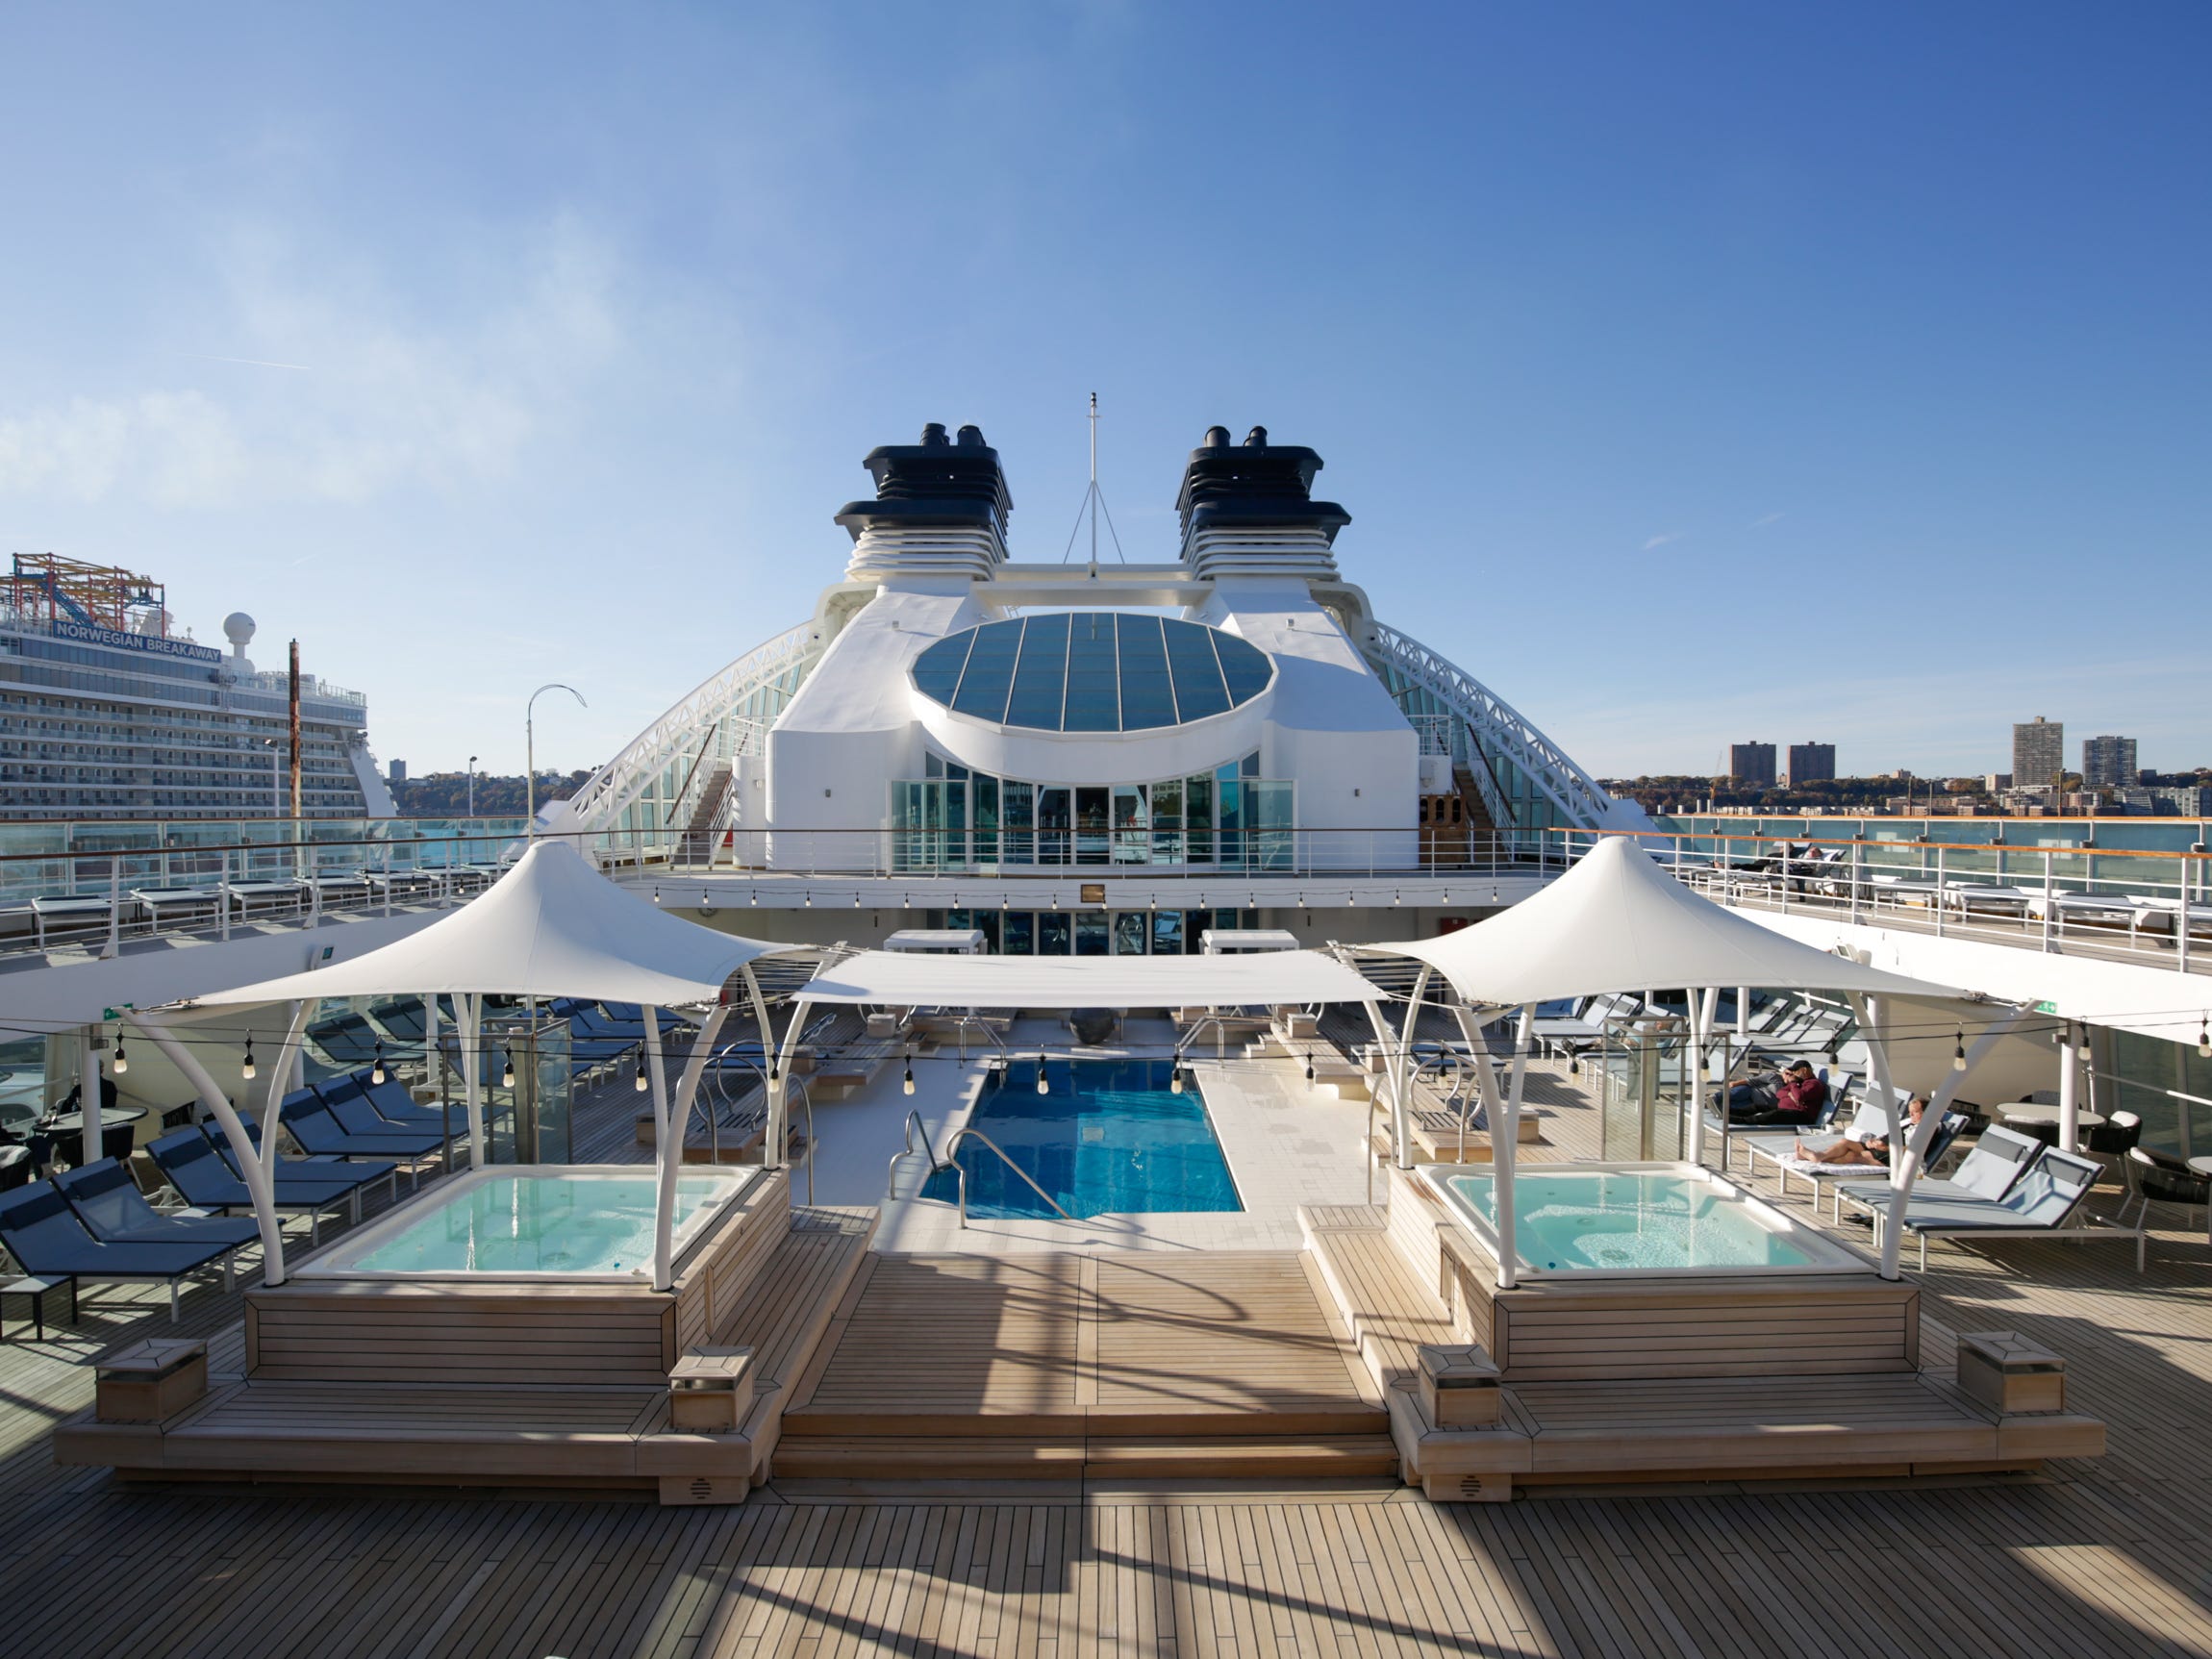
{"x":2039,"y":1206}
{"x":309,"y":1122}
{"x":316,"y":1166}
{"x":389,"y":1108}
{"x":106,"y":1196}
{"x":1991,"y":1170}
{"x":1863,"y":1127}
{"x":49,"y":1239}
{"x":1717,"y":1122}
{"x":192,"y":1165}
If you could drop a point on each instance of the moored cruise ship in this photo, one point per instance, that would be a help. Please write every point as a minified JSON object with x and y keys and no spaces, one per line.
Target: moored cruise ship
{"x":107,"y":713}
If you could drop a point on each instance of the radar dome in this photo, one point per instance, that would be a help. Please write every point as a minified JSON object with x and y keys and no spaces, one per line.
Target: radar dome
{"x":239,"y":629}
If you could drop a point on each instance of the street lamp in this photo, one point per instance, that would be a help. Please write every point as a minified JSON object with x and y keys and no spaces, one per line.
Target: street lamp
{"x":530,"y":748}
{"x":471,"y":786}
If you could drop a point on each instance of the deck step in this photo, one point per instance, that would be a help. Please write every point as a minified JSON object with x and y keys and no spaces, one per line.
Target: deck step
{"x":952,"y":1457}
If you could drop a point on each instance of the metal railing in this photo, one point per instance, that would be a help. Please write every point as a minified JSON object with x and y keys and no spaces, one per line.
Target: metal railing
{"x":914,"y":1125}
{"x":2133,"y":903}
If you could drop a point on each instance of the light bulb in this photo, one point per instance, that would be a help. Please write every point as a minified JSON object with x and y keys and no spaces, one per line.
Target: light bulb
{"x":809,"y":899}
{"x":753,"y":897}
{"x":907,"y":1084}
{"x":1573,"y":1065}
{"x":247,"y":1070}
{"x":1958,"y":1054}
{"x":706,"y":902}
{"x":376,"y":1071}
{"x":122,"y":1060}
{"x":2203,"y":1042}
{"x":639,"y":1083}
{"x":1043,"y":1086}
{"x":1175,"y":1081}
{"x":656,"y":895}
{"x":856,"y":898}
{"x":507,"y":1076}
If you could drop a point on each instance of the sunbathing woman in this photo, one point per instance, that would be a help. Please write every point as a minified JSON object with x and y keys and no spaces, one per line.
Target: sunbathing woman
{"x":1873,"y":1153}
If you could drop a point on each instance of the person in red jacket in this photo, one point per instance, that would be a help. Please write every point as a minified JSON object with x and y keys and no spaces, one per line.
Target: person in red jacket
{"x":1798,"y":1100}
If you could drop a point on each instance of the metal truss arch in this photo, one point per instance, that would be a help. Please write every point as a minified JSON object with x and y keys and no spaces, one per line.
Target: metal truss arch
{"x":1497,"y":732}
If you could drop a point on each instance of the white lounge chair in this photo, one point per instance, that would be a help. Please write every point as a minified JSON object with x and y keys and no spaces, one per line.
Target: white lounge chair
{"x":2038,"y":1205}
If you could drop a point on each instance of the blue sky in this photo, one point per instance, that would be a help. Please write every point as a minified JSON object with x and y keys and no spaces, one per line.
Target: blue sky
{"x":1690,"y":373}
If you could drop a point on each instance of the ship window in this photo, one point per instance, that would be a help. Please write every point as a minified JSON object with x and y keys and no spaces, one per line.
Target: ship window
{"x":1092,"y":672}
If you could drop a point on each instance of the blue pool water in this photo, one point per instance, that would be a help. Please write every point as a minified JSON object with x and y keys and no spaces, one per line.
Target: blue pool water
{"x":1615,"y":1220}
{"x":1109,"y":1139}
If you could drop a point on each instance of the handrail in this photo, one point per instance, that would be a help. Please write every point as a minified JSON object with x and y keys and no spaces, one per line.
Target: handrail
{"x":962,"y":1133}
{"x":914,"y":1125}
{"x":2064,"y":848}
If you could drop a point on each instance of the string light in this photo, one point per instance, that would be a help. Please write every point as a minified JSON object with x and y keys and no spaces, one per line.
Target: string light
{"x":2204,"y":1039}
{"x":656,"y":895}
{"x":1175,"y":1081}
{"x":907,"y":1083}
{"x":247,"y":1070}
{"x":507,"y":1073}
{"x":1958,"y":1053}
{"x":122,"y":1060}
{"x":753,"y":896}
{"x":1309,"y":1069}
{"x":706,"y":902}
{"x":809,"y":899}
{"x":1044,"y":1087}
{"x":638,"y":1082}
{"x":376,"y":1071}
{"x":856,"y":898}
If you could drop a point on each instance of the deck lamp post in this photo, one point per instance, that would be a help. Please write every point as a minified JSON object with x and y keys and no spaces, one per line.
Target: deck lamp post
{"x":471,"y":786}
{"x":529,"y":747}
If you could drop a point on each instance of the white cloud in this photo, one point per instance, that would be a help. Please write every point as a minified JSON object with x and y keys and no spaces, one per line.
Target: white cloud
{"x":393,"y":399}
{"x":1662,"y":541}
{"x":1761,"y":522}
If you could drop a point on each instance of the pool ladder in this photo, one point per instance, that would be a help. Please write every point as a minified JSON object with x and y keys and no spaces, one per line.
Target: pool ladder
{"x":915,"y":1128}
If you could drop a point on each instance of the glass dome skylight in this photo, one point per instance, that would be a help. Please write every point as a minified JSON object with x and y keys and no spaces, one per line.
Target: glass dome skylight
{"x":1092,"y":672}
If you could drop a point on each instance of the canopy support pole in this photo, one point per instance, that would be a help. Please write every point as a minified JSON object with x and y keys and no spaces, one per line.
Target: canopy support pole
{"x":2068,"y":1093}
{"x":1502,"y":1113}
{"x":287,"y":1057}
{"x":671,"y":1127}
{"x":1906,"y":1169}
{"x":471,"y":1014}
{"x":1873,"y":1016}
{"x":1401,"y":1090}
{"x":1699,"y":1008}
{"x":257,"y":1179}
{"x":779,"y":1087}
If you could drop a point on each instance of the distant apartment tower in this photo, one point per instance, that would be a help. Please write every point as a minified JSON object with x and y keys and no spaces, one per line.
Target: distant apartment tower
{"x":1752,"y":764}
{"x":2108,"y":763}
{"x":396,"y":773}
{"x":2038,"y":753}
{"x":1812,"y":763}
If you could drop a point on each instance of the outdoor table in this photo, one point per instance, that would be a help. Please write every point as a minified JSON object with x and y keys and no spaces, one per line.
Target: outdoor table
{"x":111,"y":1117}
{"x":34,"y":1288}
{"x":2039,"y":1115}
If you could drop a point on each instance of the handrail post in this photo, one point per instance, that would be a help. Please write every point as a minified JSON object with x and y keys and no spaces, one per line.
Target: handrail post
{"x":2050,"y":898}
{"x":114,"y":947}
{"x":2182,"y":921}
{"x":1941,"y":897}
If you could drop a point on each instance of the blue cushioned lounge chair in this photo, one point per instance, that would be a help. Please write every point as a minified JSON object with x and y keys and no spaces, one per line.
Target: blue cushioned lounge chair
{"x":49,"y":1239}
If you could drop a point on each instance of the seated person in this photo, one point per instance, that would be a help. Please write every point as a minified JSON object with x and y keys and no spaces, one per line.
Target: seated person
{"x":1797,"y":1100}
{"x":1873,"y":1153}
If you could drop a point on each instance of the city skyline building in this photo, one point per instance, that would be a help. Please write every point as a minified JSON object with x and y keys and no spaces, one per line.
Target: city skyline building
{"x":1811,"y":764}
{"x":2108,"y":763}
{"x":2038,"y":752}
{"x":1751,"y":763}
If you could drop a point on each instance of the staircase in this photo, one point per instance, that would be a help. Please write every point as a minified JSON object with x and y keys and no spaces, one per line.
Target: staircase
{"x":1077,"y":1367}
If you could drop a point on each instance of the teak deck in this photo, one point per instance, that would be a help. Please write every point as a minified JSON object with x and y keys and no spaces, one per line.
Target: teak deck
{"x":2100,"y":1559}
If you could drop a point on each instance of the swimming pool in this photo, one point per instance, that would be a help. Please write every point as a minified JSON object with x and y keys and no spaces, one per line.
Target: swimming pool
{"x":1621,"y":1219}
{"x":533,"y":1221}
{"x":1110,"y":1138}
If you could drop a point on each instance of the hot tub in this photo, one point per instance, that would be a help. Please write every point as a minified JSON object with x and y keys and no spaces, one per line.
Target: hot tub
{"x":1654,"y":1271}
{"x":1593,"y":1220}
{"x":567,"y":1224}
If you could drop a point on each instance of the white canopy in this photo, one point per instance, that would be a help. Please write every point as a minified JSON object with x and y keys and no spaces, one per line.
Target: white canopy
{"x":551,"y":926}
{"x":1617,"y":921}
{"x":907,"y":981}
